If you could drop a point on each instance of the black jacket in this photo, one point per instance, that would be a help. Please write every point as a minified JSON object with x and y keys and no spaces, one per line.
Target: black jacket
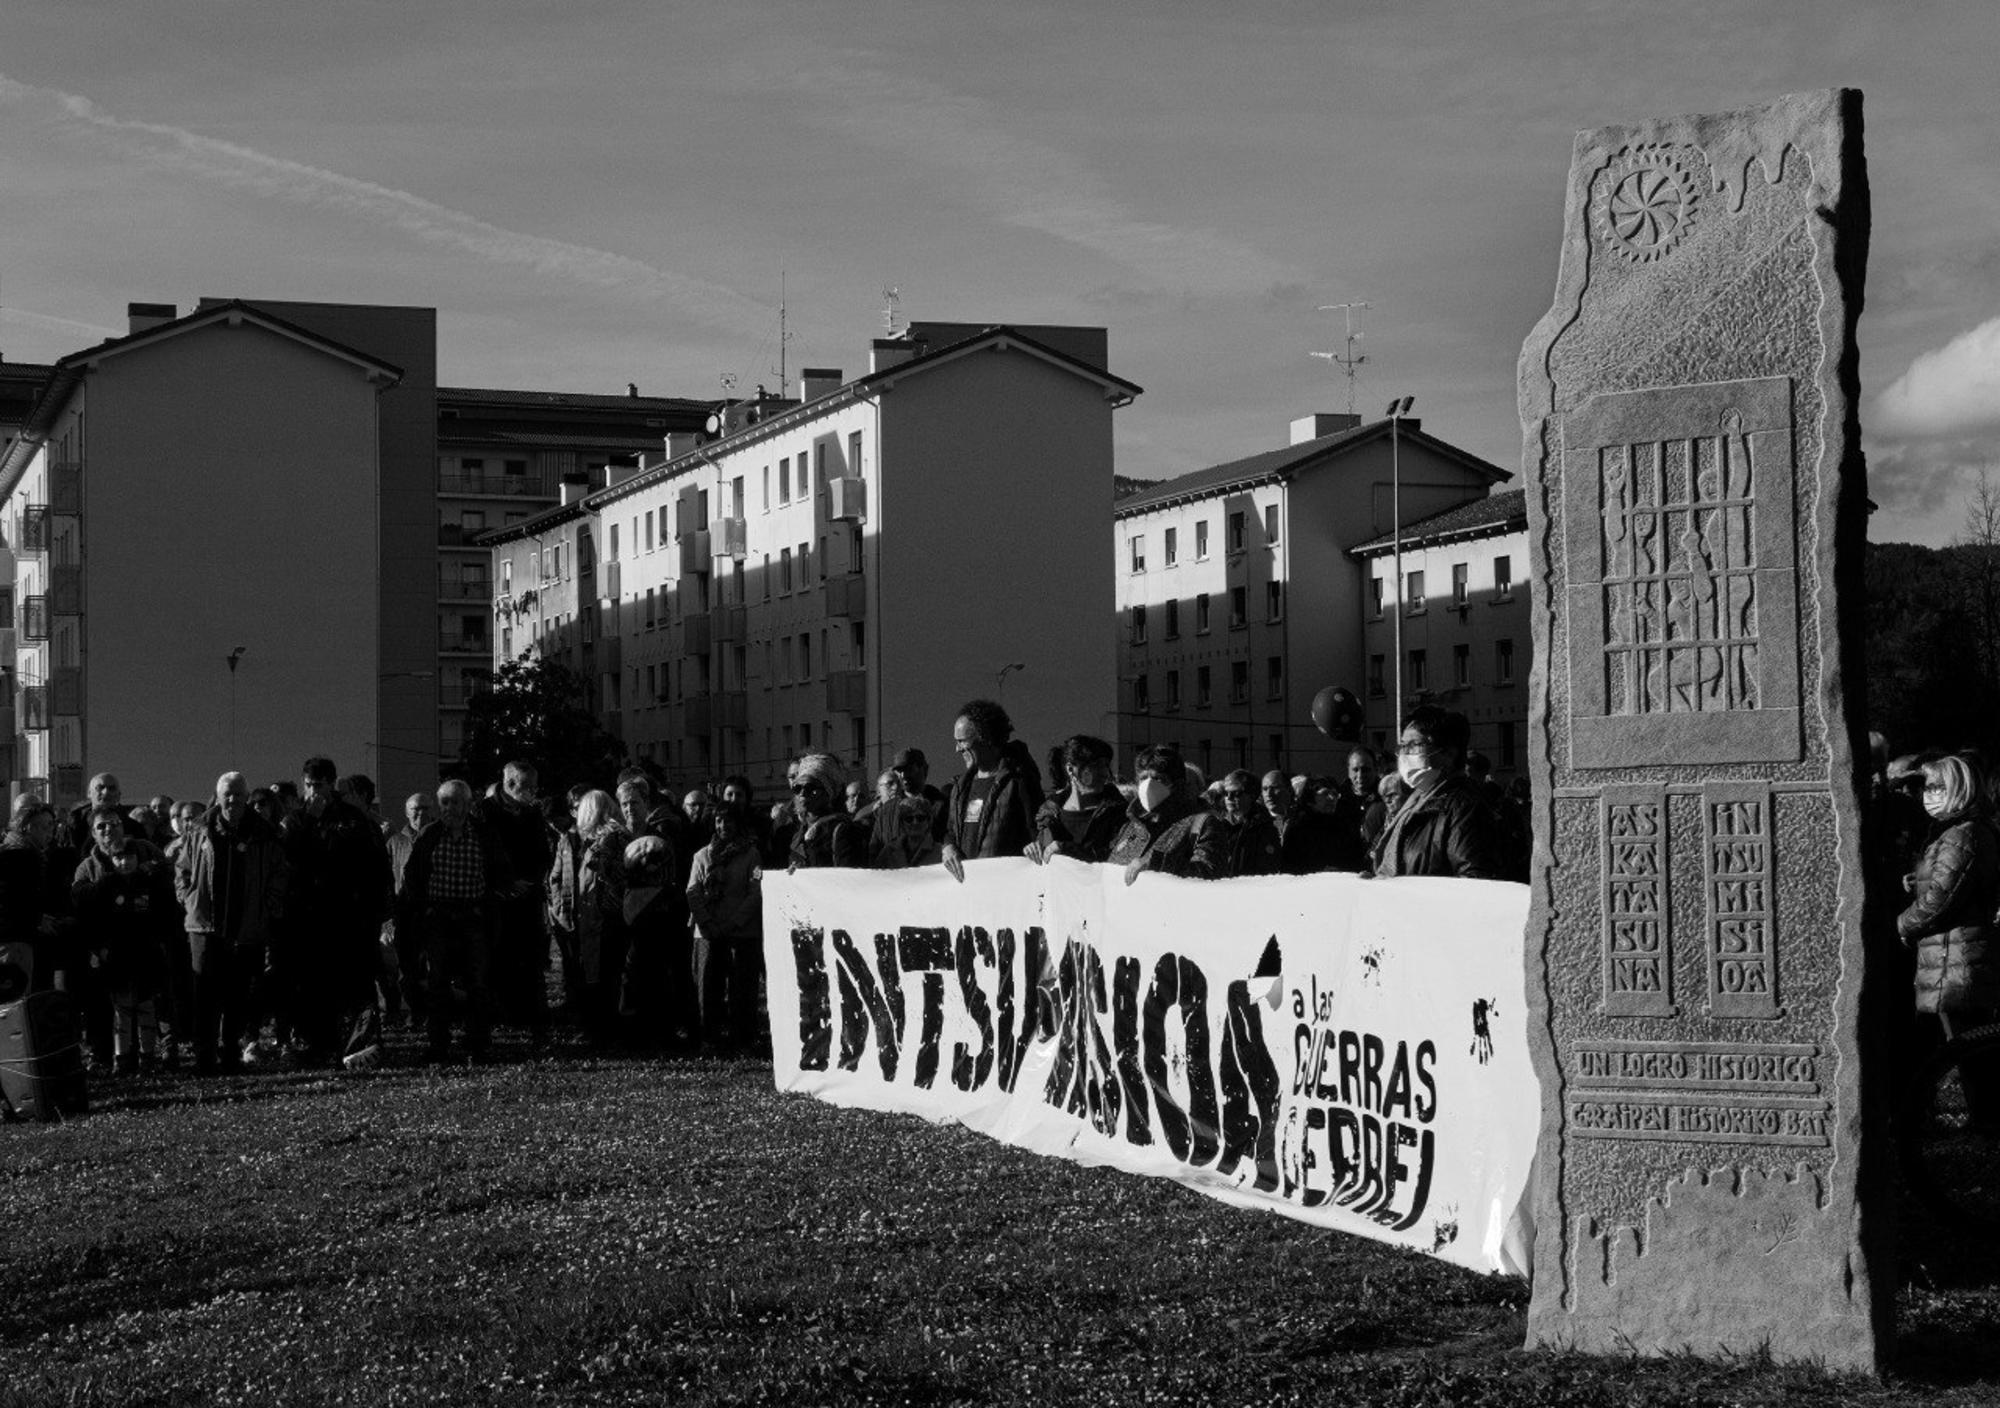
{"x":1445,"y":830}
{"x":1007,"y":824}
{"x":1086,"y":836}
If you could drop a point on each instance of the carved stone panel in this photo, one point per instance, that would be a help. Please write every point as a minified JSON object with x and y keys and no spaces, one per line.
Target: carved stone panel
{"x":1638,"y":968}
{"x":1682,"y":628}
{"x":1697,"y":508}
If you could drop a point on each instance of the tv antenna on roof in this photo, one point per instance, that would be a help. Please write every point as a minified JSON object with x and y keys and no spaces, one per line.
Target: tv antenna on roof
{"x":728,"y":384}
{"x":892,"y":298}
{"x":783,"y":336}
{"x":1350,"y":360}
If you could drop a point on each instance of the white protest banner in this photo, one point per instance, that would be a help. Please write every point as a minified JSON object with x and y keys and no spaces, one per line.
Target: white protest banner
{"x":1349,"y":1052}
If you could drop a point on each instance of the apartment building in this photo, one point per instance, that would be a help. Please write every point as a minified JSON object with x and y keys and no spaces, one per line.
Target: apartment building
{"x":840,"y":572}
{"x":1454,"y":625}
{"x":1238,"y":601}
{"x":201,"y":484}
{"x":503,"y":457}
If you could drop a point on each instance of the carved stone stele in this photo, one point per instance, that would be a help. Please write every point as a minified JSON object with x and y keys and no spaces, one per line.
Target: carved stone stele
{"x":1696,"y":506}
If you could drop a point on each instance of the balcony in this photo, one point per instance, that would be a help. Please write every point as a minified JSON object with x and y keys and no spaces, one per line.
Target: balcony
{"x":507,"y":486}
{"x":33,"y":535}
{"x":67,"y":690}
{"x":66,"y":486}
{"x":69,"y":783}
{"x":696,"y":634}
{"x":847,"y":499}
{"x":847,"y":691}
{"x":35,"y":618}
{"x":847,"y":595}
{"x":65,"y":589}
{"x":698,"y":714}
{"x":727,"y":625}
{"x":461,"y":694}
{"x":696,"y":555}
{"x":457,"y":643}
{"x":732,"y":538}
{"x":610,"y":652}
{"x":610,"y":581}
{"x":34,"y":709}
{"x":481,"y":590}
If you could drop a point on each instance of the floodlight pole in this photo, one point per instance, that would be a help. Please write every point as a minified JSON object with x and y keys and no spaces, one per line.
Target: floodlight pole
{"x":1397,"y":410}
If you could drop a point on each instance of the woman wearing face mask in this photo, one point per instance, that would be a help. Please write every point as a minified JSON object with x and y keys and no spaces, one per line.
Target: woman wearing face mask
{"x":1168,"y":827}
{"x":1083,"y":819}
{"x":1444,"y":826}
{"x":1949,"y":924}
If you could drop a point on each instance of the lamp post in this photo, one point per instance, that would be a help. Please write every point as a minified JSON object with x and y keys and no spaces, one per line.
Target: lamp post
{"x":231,"y":660}
{"x":1006,"y":670}
{"x":1397,"y":410}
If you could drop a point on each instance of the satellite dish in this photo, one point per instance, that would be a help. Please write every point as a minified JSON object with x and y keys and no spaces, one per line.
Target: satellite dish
{"x":715,"y":425}
{"x":1336,"y":712}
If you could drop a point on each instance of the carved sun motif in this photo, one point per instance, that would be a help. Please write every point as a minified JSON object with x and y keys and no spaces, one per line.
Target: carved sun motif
{"x":1648,"y":205}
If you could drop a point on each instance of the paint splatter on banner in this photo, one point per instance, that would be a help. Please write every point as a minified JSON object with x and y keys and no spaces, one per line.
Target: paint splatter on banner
{"x":1296,"y":1044}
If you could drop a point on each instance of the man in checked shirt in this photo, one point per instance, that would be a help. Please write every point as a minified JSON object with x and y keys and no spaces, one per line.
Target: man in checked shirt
{"x":457,"y":877}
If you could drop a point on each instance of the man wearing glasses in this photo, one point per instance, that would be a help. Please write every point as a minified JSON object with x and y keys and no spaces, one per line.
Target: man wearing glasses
{"x":1444,"y":826}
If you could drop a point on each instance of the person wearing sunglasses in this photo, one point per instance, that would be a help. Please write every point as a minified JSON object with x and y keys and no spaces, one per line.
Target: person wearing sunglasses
{"x":825,"y":835}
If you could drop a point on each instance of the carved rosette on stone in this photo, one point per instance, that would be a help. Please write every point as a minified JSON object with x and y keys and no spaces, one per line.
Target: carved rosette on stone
{"x":1696,"y":505}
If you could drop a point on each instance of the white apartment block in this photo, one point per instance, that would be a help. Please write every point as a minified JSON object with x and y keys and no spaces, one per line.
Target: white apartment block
{"x":1238,"y":600}
{"x":841,"y":572}
{"x":1462,"y":608}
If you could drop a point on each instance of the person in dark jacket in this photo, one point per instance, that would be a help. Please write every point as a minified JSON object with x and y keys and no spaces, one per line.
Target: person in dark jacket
{"x":1324,"y":833}
{"x":230,"y":878}
{"x":521,"y":959}
{"x":725,"y":893}
{"x":825,"y":836}
{"x":124,"y":903}
{"x":1954,"y":893}
{"x":31,"y":942}
{"x":1084,"y":818}
{"x":1443,"y":826}
{"x":342,"y":890}
{"x":1168,"y":827}
{"x":993,"y":802}
{"x":1250,"y":839}
{"x":453,"y":887}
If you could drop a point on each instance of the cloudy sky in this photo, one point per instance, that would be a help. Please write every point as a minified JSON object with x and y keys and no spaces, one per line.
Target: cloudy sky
{"x":600,"y":193}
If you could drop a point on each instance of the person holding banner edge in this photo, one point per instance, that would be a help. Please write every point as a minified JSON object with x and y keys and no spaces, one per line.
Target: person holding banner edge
{"x":1444,"y":826}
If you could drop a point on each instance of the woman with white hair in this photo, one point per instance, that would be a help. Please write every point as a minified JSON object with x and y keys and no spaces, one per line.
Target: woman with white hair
{"x":826,"y":835}
{"x":1949,"y":923}
{"x":601,"y":938}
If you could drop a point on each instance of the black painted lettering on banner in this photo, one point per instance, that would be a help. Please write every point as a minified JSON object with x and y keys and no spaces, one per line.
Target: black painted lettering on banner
{"x":975,"y":947}
{"x":815,"y":998}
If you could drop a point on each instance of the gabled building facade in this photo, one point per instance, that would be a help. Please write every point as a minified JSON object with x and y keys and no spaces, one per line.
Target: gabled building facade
{"x":840,"y":573}
{"x":1237,"y":600}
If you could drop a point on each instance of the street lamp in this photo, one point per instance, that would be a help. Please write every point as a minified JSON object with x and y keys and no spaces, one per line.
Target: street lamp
{"x":1397,"y":410}
{"x":231,"y":660}
{"x":1006,"y":670}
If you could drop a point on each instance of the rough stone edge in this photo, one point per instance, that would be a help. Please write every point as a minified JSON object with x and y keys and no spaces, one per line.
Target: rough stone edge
{"x":1840,"y":191}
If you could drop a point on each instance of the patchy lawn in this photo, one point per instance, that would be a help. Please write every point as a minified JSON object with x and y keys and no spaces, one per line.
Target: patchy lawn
{"x":576,"y":1230}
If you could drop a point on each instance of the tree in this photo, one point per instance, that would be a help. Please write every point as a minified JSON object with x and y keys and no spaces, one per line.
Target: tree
{"x":538,"y":711}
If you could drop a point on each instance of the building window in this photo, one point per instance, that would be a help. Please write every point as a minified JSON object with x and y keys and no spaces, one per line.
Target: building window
{"x":790,"y":752}
{"x":1270,"y":523}
{"x":801,"y":472}
{"x":1173,"y":689}
{"x":1236,"y":531}
{"x":819,"y":463}
{"x":1239,"y":607}
{"x":1138,"y":625}
{"x":1376,"y":685}
{"x":1503,"y":577}
{"x":1503,"y":662}
{"x":1413,"y":593}
{"x":805,"y":655}
{"x":1276,"y":743}
{"x":1201,"y":687}
{"x":614,"y":542}
{"x":1201,"y":614}
{"x":854,"y":472}
{"x":1460,"y":595}
{"x":784,"y":571}
{"x":1138,"y":552}
{"x":767,"y":488}
{"x":1274,"y":677}
{"x":1375,"y":596}
{"x":649,"y":607}
{"x":805,"y":566}
{"x":506,"y":576}
{"x":1461,"y":666}
{"x":649,"y":531}
{"x":1170,"y":547}
{"x":1142,"y":698}
{"x":1200,"y":539}
{"x":1420,"y":672}
{"x":1507,"y":760}
{"x":1274,"y":601}
{"x":1204,"y":752}
{"x":785,"y":497}
{"x":1173,"y":620}
{"x":1239,"y":681}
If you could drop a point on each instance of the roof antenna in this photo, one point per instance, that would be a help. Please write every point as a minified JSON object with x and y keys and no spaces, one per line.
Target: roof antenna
{"x":1350,"y":361}
{"x":783,"y":338}
{"x":892,"y":298}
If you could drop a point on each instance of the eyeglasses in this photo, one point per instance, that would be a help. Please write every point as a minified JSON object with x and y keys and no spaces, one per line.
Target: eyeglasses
{"x":800,"y":789}
{"x":1937,"y":787}
{"x":1413,"y":748}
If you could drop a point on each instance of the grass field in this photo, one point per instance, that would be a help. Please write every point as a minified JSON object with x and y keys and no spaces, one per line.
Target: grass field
{"x":574,"y":1230}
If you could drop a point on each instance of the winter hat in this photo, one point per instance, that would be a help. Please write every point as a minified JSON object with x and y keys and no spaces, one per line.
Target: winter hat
{"x":825,"y":769}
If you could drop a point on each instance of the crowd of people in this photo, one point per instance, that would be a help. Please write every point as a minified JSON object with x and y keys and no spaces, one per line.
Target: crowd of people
{"x":293,"y":922}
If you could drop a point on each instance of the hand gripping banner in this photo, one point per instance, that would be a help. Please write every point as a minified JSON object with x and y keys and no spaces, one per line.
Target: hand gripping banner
{"x":1348,"y":1052}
